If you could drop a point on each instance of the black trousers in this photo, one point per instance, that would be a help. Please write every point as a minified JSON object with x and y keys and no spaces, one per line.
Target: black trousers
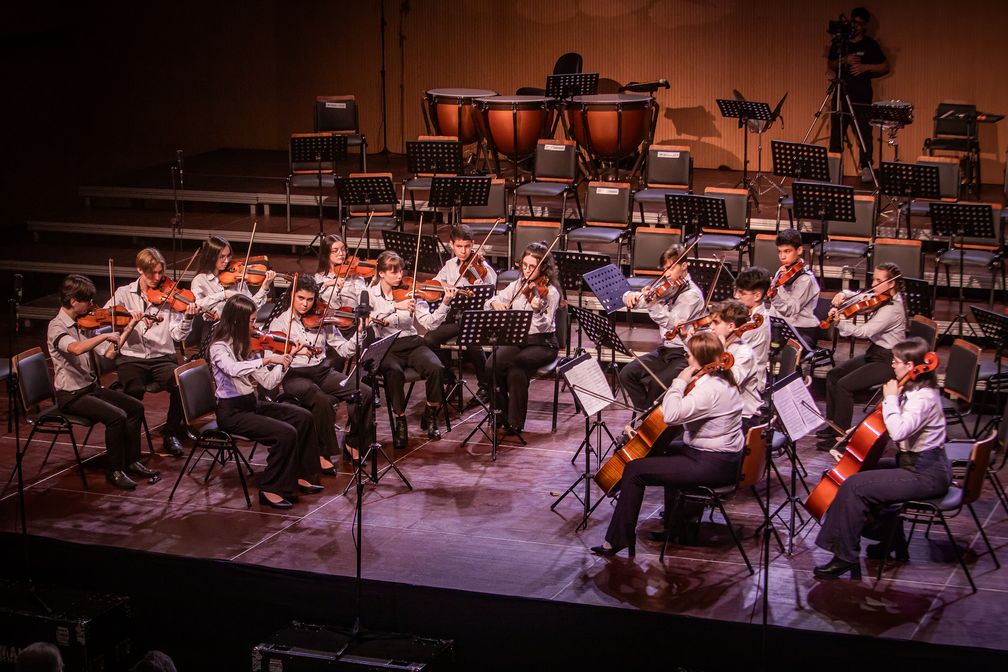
{"x":288,"y":431}
{"x":318,"y":389}
{"x":841,"y":124}
{"x":514,"y":368}
{"x":473,"y":354}
{"x":681,"y":465}
{"x":856,"y":374}
{"x":411,"y":352}
{"x":863,"y":496}
{"x":135,"y":374}
{"x":121,"y":414}
{"x":666,"y":363}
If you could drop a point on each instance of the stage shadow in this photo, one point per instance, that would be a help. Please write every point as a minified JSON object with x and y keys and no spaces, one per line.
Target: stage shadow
{"x":867,"y":609}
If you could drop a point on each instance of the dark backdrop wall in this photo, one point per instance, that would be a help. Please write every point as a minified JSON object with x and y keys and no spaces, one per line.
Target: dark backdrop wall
{"x":104,"y":87}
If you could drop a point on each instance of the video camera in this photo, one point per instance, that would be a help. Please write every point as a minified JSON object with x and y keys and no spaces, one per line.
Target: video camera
{"x":841,"y":27}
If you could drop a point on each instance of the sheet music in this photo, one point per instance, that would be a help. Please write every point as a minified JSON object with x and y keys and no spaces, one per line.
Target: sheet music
{"x":792,"y":402}
{"x":589,"y":384}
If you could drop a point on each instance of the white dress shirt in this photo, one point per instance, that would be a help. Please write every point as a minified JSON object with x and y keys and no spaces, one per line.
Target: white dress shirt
{"x":918,"y":423}
{"x":449,"y":274}
{"x":543,"y":318}
{"x":402,"y":321}
{"x":885,"y":327}
{"x":749,"y":376}
{"x":211,"y":295}
{"x":687,"y":306}
{"x":149,"y":340}
{"x":349,"y":295}
{"x":318,"y":338}
{"x":759,"y":339}
{"x":796,"y":302}
{"x":236,"y":377}
{"x":711,"y":414}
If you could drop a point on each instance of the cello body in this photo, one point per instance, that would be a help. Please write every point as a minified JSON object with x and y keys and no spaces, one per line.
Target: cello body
{"x":649,"y":432}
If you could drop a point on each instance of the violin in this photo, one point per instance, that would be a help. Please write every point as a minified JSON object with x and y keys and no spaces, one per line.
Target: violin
{"x":855,"y":307}
{"x":277,"y":342}
{"x":253,"y":274}
{"x":355,"y":266}
{"x":538,"y":287}
{"x":864,"y":445}
{"x":664,"y":290}
{"x":474,"y":269}
{"x":680,"y":329}
{"x":786,"y":278}
{"x":102,"y":317}
{"x":723,"y":363}
{"x":324,"y":315}
{"x":168,"y":294}
{"x":429,"y":291}
{"x":755,"y":322}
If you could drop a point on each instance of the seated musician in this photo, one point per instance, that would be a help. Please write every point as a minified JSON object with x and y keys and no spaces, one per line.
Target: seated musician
{"x":77,"y":390}
{"x":214,"y":258}
{"x":709,"y":409}
{"x":915,"y":422}
{"x":337,"y":287}
{"x":794,"y":299}
{"x":316,"y":385}
{"x":675,"y":301}
{"x":537,"y":290}
{"x":727,"y":317}
{"x":392,"y":315}
{"x":884,"y":326}
{"x":148,"y":354}
{"x":462,"y":246}
{"x":292,"y":463}
{"x":751,"y":285}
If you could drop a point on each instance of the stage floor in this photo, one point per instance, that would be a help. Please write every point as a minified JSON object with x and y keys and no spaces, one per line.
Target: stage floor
{"x":476,"y":525}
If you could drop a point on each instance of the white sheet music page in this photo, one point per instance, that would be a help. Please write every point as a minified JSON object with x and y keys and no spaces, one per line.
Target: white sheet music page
{"x":589,"y":384}
{"x":793,"y":403}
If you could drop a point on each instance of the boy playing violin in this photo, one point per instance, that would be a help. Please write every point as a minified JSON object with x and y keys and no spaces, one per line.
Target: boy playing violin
{"x":77,"y":390}
{"x":148,"y":353}
{"x":727,"y":319}
{"x":793,"y":292}
{"x":213,"y":260}
{"x":751,"y":285}
{"x":674,"y":301}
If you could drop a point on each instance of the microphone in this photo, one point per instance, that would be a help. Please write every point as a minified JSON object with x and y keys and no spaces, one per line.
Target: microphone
{"x":364,"y":306}
{"x":18,"y":287}
{"x":178,"y":161}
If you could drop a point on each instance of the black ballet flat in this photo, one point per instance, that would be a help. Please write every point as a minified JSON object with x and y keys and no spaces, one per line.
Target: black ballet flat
{"x":610,"y":552}
{"x":836,"y":568}
{"x":266,"y":501}
{"x":899,"y":552}
{"x":310,"y":489}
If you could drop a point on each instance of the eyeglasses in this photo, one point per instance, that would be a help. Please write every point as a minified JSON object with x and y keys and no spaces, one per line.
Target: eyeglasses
{"x":528,"y":267}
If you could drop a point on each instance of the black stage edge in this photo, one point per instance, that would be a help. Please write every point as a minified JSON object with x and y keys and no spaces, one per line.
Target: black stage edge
{"x":209,"y":614}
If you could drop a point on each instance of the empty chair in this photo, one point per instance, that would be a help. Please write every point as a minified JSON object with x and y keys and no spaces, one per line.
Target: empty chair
{"x":606,"y":218}
{"x":311,"y":160}
{"x":734,"y":236}
{"x":554,"y":175}
{"x":960,"y":381}
{"x":494,"y":215}
{"x":668,"y":170}
{"x":976,"y":251}
{"x":566,"y":64}
{"x":339,"y":114}
{"x":384,"y":217}
{"x":849,"y":240}
{"x":955,"y":130}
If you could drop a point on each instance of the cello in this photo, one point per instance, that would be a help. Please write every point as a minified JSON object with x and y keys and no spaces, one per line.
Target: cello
{"x":865,"y":444}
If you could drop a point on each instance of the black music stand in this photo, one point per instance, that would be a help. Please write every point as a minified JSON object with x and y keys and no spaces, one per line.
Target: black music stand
{"x":584,"y":376}
{"x":565,"y":86}
{"x":316,"y":149}
{"x":692,"y":214}
{"x":908,"y":181}
{"x":800,"y":161}
{"x":825,"y":202}
{"x":459,"y":305}
{"x":961,"y":220}
{"x":405,"y":245}
{"x":493,"y":328}
{"x":367,"y":191}
{"x":995,"y":330}
{"x":780,"y":331}
{"x":702,"y":272}
{"x":745,"y":111}
{"x":571,"y":270}
{"x":889,"y":118}
{"x":608,"y":285}
{"x":427,"y":158}
{"x":458,"y":191}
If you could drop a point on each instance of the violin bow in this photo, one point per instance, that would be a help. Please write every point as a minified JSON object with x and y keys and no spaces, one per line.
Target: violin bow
{"x":111,"y":285}
{"x":360,"y":241}
{"x":867,"y":290}
{"x":478,"y":250}
{"x":248,"y":254}
{"x":416,"y":259}
{"x":290,"y":319}
{"x":525,"y":281}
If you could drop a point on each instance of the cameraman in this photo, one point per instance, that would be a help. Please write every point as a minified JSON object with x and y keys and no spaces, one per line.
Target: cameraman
{"x":862,"y":60}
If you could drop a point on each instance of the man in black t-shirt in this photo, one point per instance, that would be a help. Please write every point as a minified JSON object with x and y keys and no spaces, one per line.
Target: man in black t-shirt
{"x":862,"y":60}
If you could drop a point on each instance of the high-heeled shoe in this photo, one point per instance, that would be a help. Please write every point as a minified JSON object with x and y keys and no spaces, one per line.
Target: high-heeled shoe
{"x":898,"y":551}
{"x":348,"y":456}
{"x":610,"y":551}
{"x":266,"y":501}
{"x":836,"y":568}
{"x":328,"y":471}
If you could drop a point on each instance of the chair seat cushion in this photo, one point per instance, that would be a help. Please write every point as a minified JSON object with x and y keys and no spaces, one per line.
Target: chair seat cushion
{"x":958,"y":451}
{"x":309,"y":181}
{"x":211,"y":426}
{"x":787,"y":203}
{"x":542,"y":189}
{"x":417,"y":184}
{"x":843,"y":248}
{"x":595,"y":234}
{"x":508,"y":276}
{"x":779,"y":441}
{"x":951,"y":144}
{"x":483,"y":228}
{"x":377,"y":223}
{"x":952,"y":500}
{"x":656,"y":195}
{"x":969,"y":257}
{"x":720,"y":241}
{"x":949,"y":405}
{"x":549,"y":368}
{"x":54,"y":411}
{"x":989,"y":370}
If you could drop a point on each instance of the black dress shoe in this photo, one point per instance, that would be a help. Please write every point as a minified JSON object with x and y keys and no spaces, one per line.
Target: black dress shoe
{"x":173,"y":446}
{"x":120,"y":480}
{"x":610,"y":552}
{"x":400,"y":436}
{"x":898,"y":551}
{"x":428,"y":422}
{"x":483,"y":394}
{"x":310,"y":489}
{"x":836,"y":568}
{"x":140,"y":469}
{"x":266,"y":501}
{"x":347,"y":455}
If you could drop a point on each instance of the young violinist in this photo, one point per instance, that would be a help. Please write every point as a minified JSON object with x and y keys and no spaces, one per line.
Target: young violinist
{"x":674,"y":301}
{"x":397,"y":310}
{"x":537,"y":290}
{"x":915,"y":422}
{"x":292,"y":464}
{"x":337,"y":286}
{"x":728,"y":319}
{"x":148,"y":354}
{"x":704,"y":400}
{"x":751,"y":285}
{"x":314,"y":382}
{"x":794,"y":290}
{"x":213,"y":260}
{"x":451,"y":274}
{"x":884,"y":326}
{"x":76,"y":386}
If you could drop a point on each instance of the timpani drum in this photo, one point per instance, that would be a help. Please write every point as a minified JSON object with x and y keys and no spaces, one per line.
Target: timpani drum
{"x":514,"y":124}
{"x":611,"y":126}
{"x":452,"y":112}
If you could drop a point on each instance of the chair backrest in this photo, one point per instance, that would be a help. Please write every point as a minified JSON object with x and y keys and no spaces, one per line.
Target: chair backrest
{"x":755,"y":457}
{"x":325,"y":167}
{"x":863,"y":225}
{"x":736,"y":206}
{"x":607,"y":204}
{"x":556,"y":160}
{"x":34,"y":380}
{"x":669,"y":166}
{"x":496,"y":205}
{"x":948,"y":123}
{"x":336,"y":113}
{"x":788,"y":358}
{"x":527,"y":232}
{"x":765,"y":251}
{"x":961,"y":371}
{"x":648,"y":244}
{"x":976,"y":469}
{"x":904,"y":253}
{"x":196,"y":390}
{"x":948,"y":173}
{"x":568,"y":64}
{"x":562,"y":326}
{"x":835,"y":160}
{"x":924,"y":327}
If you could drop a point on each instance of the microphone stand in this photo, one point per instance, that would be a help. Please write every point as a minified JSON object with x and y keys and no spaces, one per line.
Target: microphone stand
{"x":178,"y":221}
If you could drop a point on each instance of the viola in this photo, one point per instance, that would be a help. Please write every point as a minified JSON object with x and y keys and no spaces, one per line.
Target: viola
{"x":277,"y":342}
{"x":680,"y":329}
{"x":864,"y":445}
{"x":786,"y":277}
{"x":868,"y":303}
{"x":723,"y":363}
{"x":168,"y":294}
{"x":102,"y":317}
{"x":755,"y":322}
{"x":354,"y":266}
{"x":474,"y":269}
{"x":431,"y":290}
